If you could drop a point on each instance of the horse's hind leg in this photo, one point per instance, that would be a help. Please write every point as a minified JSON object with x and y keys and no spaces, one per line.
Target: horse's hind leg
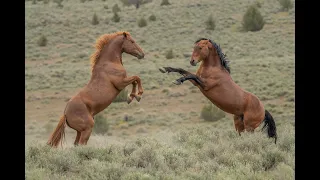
{"x":238,"y":123}
{"x":85,"y":134}
{"x":251,"y":121}
{"x":76,"y":142}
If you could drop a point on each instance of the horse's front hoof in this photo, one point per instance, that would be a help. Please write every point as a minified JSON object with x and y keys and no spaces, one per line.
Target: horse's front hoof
{"x":177,"y":82}
{"x":129,"y":99}
{"x":138,"y":98}
{"x":162,"y":70}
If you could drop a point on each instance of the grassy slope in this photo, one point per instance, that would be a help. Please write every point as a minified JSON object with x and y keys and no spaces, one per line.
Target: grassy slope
{"x":261,"y":62}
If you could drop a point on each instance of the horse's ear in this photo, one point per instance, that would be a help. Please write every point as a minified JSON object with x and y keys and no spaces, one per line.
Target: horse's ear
{"x":125,"y":34}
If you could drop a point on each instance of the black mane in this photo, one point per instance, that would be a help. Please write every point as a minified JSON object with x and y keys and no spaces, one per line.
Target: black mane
{"x":223,"y":57}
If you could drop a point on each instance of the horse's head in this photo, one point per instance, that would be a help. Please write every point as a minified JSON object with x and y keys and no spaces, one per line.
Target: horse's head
{"x":131,"y":47}
{"x":201,"y":51}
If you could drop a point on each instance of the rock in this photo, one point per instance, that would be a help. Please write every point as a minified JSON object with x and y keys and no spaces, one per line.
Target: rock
{"x":187,"y":54}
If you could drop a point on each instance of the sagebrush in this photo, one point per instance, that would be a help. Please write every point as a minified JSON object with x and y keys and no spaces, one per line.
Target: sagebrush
{"x":169,"y":54}
{"x":95,"y":19}
{"x":101,"y":125}
{"x":210,"y":23}
{"x":285,"y":4}
{"x":216,"y":153}
{"x":115,"y":17}
{"x":42,"y":40}
{"x":142,"y":22}
{"x":210,"y":112}
{"x":252,"y":19}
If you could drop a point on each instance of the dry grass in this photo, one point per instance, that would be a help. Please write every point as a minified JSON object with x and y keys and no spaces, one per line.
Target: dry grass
{"x":203,"y":152}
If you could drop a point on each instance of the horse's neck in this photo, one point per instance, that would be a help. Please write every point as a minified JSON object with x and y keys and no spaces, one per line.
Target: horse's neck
{"x":108,"y":55}
{"x":212,"y":61}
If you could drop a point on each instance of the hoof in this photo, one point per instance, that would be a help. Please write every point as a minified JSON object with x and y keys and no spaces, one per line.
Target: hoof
{"x":129,"y":99}
{"x":138,"y":98}
{"x":162,"y":70}
{"x":176,"y":82}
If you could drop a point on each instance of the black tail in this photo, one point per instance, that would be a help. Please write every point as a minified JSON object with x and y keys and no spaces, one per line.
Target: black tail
{"x":271,"y":126}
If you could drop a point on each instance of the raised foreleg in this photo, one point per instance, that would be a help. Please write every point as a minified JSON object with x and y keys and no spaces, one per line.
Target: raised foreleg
{"x":133,"y":93}
{"x":190,"y":77}
{"x":131,"y":80}
{"x":181,"y":71}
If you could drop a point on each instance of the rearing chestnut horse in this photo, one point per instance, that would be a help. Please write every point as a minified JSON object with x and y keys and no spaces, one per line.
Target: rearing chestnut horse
{"x":108,"y":78}
{"x":214,"y":81}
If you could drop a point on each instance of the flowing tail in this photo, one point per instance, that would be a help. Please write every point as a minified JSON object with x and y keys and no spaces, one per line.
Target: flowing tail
{"x":58,"y":134}
{"x":271,"y":126}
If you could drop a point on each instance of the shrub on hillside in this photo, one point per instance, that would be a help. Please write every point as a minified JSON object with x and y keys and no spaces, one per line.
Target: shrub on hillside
{"x":285,"y":4}
{"x":210,"y":23}
{"x":101,"y":125}
{"x":211,"y":113}
{"x":42,"y":41}
{"x":142,"y":22}
{"x":59,"y":3}
{"x":115,"y":17}
{"x":169,"y":54}
{"x":257,"y":4}
{"x":95,"y":20}
{"x":115,"y":8}
{"x":152,"y":17}
{"x":252,"y":19}
{"x":134,"y":2}
{"x":165,"y":3}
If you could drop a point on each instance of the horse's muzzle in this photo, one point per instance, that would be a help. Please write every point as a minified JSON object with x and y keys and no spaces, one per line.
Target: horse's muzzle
{"x":193,"y":62}
{"x":140,"y":55}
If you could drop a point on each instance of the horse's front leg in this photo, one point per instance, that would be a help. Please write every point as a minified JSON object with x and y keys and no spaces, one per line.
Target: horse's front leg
{"x":133,"y":92}
{"x":133,"y":80}
{"x":190,"y":77}
{"x":171,"y":69}
{"x":181,"y":71}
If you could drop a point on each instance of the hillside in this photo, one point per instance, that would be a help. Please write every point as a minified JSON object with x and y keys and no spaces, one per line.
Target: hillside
{"x":165,"y":136}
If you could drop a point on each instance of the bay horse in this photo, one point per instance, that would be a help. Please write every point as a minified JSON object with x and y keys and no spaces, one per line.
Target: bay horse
{"x":108,"y":78}
{"x":214,"y":81}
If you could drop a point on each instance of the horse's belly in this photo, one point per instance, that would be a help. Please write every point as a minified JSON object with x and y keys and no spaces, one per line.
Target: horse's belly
{"x":104,"y":101}
{"x":98,"y":99}
{"x":225,"y":103}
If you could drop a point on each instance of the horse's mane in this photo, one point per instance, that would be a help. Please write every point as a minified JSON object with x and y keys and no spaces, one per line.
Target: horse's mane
{"x":100,"y":42}
{"x":223,"y":57}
